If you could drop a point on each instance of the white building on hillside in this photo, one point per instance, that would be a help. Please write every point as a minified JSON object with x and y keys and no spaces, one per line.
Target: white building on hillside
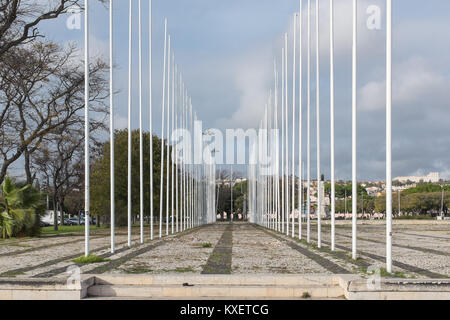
{"x":433,"y":177}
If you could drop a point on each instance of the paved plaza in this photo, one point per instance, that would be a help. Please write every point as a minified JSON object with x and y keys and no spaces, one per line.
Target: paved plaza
{"x":421,"y":250}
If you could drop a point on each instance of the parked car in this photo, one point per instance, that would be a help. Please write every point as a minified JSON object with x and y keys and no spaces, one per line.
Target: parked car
{"x":44,"y":224}
{"x":71,"y":222}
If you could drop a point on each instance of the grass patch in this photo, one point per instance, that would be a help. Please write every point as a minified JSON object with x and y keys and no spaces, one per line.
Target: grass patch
{"x":12,"y":274}
{"x":306,"y":295}
{"x":183,"y":270}
{"x":89,"y":259}
{"x":386,"y":274}
{"x":206,"y":245}
{"x":137,"y":270}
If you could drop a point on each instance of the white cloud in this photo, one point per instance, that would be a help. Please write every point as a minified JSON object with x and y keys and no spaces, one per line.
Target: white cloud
{"x":252,"y":75}
{"x":120,"y":122}
{"x":414,"y":81}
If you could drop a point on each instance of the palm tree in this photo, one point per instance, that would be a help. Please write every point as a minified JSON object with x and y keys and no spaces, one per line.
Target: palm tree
{"x":17,"y":207}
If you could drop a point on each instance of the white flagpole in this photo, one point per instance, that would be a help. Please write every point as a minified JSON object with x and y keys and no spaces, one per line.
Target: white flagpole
{"x":354,"y":181}
{"x":300,"y":123}
{"x":86,"y":132}
{"x":287,"y":129}
{"x":180,"y":125}
{"x":283,"y":207}
{"x":231,"y":188}
{"x":141,"y":143}
{"x":168,"y":132}
{"x":266,"y":187}
{"x":294,"y":91}
{"x":173,"y":128}
{"x":111,"y":122}
{"x":161,"y":189}
{"x":193,"y":169}
{"x":389,"y":136}
{"x":184,"y":164}
{"x":319,"y":198}
{"x":277,"y":151}
{"x":176,"y":150}
{"x":151,"y":120}
{"x":333,"y":191}
{"x":308,"y":160}
{"x":130,"y":71}
{"x":191,"y":181}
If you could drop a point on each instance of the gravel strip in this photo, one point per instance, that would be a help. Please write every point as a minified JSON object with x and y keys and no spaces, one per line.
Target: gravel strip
{"x":219,"y":261}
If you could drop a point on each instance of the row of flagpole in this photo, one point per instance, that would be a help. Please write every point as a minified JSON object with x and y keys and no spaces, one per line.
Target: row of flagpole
{"x":186,"y":184}
{"x":275,"y":209}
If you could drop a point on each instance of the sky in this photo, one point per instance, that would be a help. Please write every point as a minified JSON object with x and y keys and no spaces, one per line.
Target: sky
{"x":226,"y":50}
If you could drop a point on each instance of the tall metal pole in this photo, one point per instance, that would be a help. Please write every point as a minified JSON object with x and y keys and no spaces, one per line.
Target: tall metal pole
{"x":286,"y":106}
{"x":300,"y":123}
{"x":141,"y":138}
{"x":191,"y":184}
{"x":277,"y":152}
{"x":173,"y":128}
{"x":151,"y":119}
{"x":231,"y":188}
{"x":319,"y":180}
{"x":308,"y":130}
{"x":283,"y":123}
{"x":176,"y":150}
{"x":130,"y":72}
{"x":161,"y":192}
{"x":182,"y":198}
{"x":294,"y":92}
{"x":333,"y":186}
{"x":111,"y":122}
{"x":86,"y":132}
{"x":389,"y":136}
{"x":354,"y":110}
{"x":168,"y":132}
{"x":184,"y":163}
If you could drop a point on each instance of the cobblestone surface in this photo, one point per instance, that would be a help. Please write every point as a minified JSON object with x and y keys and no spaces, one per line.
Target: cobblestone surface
{"x":255,"y":251}
{"x":420,"y":250}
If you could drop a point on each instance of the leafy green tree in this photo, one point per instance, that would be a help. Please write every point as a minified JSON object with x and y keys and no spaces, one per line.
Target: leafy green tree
{"x":426,"y":188}
{"x":100,"y":178}
{"x":425,"y":203}
{"x":343,"y":189}
{"x":240,"y":191}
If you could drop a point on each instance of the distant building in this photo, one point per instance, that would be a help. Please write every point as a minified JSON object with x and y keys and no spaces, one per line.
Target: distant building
{"x":433,"y":177}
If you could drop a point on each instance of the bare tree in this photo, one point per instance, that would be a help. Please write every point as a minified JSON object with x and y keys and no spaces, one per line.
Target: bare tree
{"x":19,"y":19}
{"x":59,"y":161}
{"x":42,"y":93}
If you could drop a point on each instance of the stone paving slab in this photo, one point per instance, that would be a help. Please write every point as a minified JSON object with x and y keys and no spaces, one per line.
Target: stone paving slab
{"x":410,"y":256}
{"x":183,"y":254}
{"x":420,"y":250}
{"x":255,"y":251}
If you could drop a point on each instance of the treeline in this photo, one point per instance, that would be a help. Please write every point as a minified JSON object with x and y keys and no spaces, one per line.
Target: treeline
{"x":425,"y":199}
